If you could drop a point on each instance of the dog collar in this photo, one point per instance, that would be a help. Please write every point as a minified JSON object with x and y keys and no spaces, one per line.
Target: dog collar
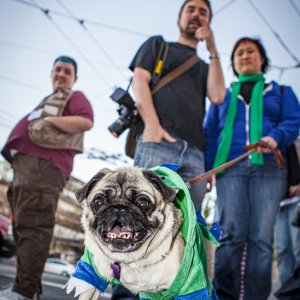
{"x":116,"y":268}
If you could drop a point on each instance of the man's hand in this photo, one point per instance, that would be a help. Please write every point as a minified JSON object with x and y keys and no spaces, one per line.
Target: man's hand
{"x":204,"y":33}
{"x":215,"y":81}
{"x":270,"y":142}
{"x":156,"y":134}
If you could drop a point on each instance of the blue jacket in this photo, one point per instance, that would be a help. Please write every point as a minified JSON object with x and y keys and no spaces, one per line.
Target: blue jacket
{"x":281,"y":119}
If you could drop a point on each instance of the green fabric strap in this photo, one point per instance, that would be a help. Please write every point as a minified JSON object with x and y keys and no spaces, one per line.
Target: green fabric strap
{"x":256,"y":115}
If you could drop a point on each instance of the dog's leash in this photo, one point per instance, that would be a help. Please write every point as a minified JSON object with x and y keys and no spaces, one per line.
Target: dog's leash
{"x":250,"y":149}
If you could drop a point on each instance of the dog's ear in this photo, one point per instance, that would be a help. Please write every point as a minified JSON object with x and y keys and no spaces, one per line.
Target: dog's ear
{"x":168,"y":193}
{"x":83,"y":192}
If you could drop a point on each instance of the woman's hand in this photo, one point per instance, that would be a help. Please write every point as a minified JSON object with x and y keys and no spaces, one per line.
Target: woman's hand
{"x":294,"y":190}
{"x":270,"y":142}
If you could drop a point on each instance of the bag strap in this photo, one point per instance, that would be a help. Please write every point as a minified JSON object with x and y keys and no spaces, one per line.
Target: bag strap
{"x":159,"y":64}
{"x":175,"y":73}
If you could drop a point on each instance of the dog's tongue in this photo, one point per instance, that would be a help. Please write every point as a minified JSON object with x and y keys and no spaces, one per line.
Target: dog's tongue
{"x":119,"y":232}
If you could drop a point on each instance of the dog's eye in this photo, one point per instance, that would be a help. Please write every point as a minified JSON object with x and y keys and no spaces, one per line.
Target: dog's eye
{"x":97,"y":202}
{"x":142,"y":202}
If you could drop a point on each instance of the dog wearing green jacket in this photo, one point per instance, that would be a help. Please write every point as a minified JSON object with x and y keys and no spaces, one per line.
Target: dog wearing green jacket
{"x":141,"y":231}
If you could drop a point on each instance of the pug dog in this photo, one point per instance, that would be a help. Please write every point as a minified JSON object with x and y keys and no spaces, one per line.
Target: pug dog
{"x":132,"y":230}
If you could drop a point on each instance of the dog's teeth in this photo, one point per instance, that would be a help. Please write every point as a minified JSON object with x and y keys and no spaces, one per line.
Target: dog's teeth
{"x":125,"y":236}
{"x":111,"y":235}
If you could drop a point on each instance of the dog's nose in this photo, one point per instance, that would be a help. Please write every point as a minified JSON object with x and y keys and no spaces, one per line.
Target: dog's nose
{"x":117,"y":209}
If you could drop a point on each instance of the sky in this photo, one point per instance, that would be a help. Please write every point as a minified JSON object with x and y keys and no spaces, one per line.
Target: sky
{"x":34,"y":32}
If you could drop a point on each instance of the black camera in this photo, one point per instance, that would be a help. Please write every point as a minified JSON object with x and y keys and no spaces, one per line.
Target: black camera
{"x":127,"y":112}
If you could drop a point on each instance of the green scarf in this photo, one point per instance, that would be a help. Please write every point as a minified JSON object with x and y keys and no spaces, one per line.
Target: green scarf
{"x":256,"y":115}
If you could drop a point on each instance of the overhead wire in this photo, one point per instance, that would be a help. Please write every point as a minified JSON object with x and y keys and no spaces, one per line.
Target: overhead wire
{"x":116,"y":28}
{"x":84,"y":21}
{"x":5,"y":43}
{"x":295,"y":7}
{"x":7,"y":119}
{"x":88,"y":32}
{"x":224,"y":7}
{"x":21,"y":83}
{"x":275,"y":34}
{"x":3,"y":124}
{"x":8,"y":115}
{"x":47,"y":14}
{"x":283,"y":69}
{"x":15,"y":45}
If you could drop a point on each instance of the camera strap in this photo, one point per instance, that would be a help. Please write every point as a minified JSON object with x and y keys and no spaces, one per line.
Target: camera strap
{"x":176,"y":72}
{"x":158,"y":68}
{"x":159,"y":64}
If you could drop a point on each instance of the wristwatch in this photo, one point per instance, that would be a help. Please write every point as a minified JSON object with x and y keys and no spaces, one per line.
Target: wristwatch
{"x":214,"y":55}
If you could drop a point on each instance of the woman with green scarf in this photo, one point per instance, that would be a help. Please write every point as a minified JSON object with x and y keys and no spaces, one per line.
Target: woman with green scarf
{"x":249,"y":193}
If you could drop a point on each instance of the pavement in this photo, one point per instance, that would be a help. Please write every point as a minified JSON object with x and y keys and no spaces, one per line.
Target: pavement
{"x":52,"y":284}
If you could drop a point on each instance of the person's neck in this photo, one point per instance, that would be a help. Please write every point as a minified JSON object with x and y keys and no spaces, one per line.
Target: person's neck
{"x":188,"y":41}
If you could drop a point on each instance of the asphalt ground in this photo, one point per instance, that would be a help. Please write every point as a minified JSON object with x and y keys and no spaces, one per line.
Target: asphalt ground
{"x":52,"y":284}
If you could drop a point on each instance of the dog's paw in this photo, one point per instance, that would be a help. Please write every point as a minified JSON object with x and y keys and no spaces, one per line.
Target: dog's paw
{"x":83,"y":289}
{"x":91,"y":294}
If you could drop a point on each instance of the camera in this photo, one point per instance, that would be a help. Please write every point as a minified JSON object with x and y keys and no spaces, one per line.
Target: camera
{"x":127,"y":112}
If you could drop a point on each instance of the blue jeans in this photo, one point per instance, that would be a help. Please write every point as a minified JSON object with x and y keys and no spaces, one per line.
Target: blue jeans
{"x":287,"y":241}
{"x":248,"y":198}
{"x":190,"y":158}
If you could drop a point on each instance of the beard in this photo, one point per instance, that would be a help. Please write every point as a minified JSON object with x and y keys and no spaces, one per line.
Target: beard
{"x":189,"y":32}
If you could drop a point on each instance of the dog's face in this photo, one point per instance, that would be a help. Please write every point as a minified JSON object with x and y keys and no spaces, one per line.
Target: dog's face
{"x":125,"y":209}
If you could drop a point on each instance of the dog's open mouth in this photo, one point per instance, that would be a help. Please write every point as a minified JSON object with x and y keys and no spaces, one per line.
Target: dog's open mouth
{"x":121,"y":232}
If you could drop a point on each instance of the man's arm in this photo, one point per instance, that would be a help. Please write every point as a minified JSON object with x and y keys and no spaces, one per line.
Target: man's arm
{"x":70,"y":124}
{"x":153,"y":131}
{"x":215,"y":80}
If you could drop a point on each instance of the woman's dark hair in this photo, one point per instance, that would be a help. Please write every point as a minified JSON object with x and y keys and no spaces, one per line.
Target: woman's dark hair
{"x":207,"y":3}
{"x":261,"y":49}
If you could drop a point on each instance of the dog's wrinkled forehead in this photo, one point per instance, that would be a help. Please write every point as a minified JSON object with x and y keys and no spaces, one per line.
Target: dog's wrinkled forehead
{"x":126,"y":181}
